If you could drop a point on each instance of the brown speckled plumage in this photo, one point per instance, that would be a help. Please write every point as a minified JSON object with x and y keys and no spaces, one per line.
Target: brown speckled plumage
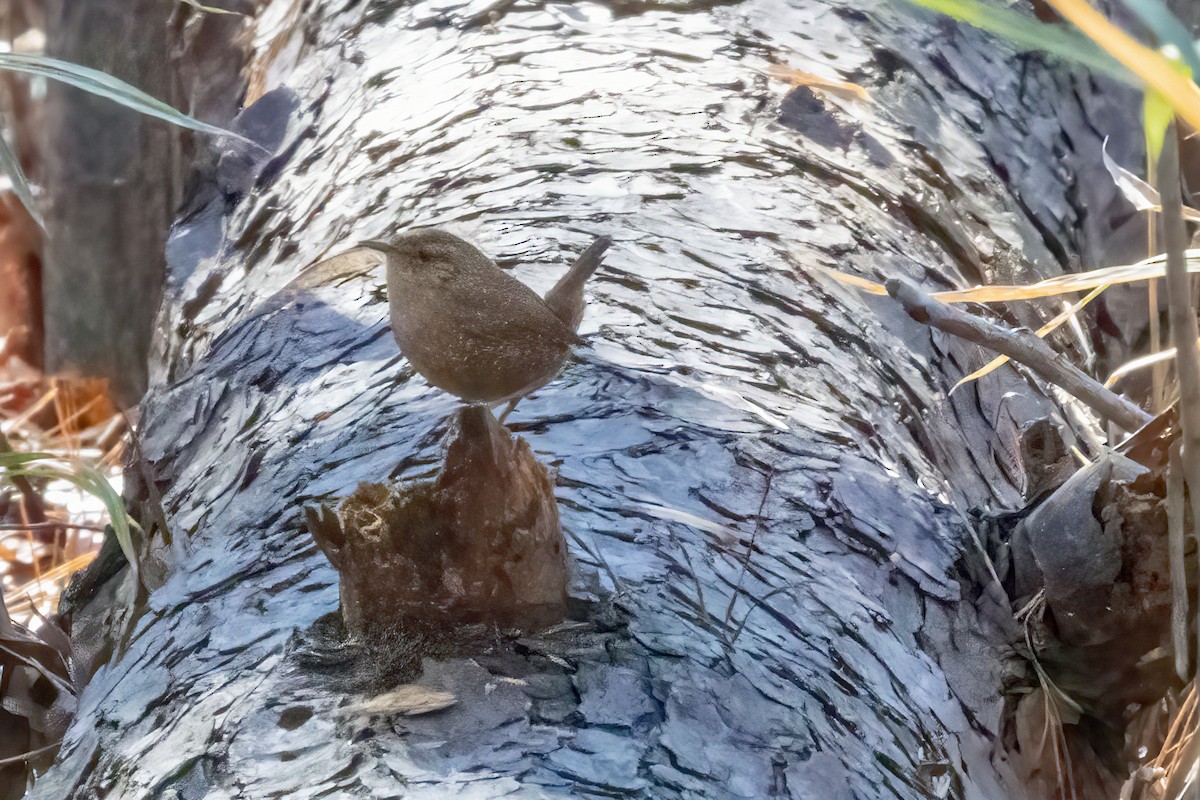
{"x":466,"y":325}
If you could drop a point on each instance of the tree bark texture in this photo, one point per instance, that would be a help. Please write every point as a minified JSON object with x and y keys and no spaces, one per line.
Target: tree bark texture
{"x":771,"y":502}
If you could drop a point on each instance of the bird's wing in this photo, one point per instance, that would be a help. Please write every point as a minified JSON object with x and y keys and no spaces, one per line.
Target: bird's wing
{"x":531,"y":323}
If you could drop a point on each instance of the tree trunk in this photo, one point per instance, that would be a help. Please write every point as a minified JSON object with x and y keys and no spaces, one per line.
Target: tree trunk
{"x":114,"y":179}
{"x":776,"y":589}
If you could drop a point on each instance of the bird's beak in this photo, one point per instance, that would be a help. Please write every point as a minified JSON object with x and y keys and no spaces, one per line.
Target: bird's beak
{"x":376,"y":244}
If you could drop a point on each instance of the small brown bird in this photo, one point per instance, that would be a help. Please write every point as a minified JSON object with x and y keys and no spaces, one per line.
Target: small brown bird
{"x":472,"y":329}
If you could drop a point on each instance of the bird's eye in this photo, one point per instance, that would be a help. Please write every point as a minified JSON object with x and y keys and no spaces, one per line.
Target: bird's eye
{"x":426,"y":254}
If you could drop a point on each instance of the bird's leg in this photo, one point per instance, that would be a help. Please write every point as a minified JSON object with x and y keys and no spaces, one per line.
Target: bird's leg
{"x":508,"y":410}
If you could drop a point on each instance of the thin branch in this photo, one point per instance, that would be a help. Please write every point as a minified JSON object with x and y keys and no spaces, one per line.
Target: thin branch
{"x":758,"y":523}
{"x":156,"y":504}
{"x":1023,"y":347}
{"x":1177,"y":561}
{"x":29,"y":755}
{"x":1184,"y":335}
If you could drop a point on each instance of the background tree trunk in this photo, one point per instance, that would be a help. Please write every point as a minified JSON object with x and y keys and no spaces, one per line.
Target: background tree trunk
{"x":776,"y":585}
{"x":114,"y":179}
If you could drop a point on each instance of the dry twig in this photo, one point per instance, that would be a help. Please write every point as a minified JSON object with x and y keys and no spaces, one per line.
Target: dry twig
{"x":1022,"y":347}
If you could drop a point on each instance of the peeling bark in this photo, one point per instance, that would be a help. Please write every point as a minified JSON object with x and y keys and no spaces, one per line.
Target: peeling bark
{"x":838,"y":635}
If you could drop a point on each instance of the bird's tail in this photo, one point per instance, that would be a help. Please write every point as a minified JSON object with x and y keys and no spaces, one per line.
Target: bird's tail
{"x":590,"y":259}
{"x":566,"y":298}
{"x":585,"y":265}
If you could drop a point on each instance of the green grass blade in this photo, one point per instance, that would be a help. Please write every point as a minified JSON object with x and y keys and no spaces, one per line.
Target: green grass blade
{"x":1155,"y":15}
{"x":1030,"y":34}
{"x":87,"y":479}
{"x":93,"y":481}
{"x":12,"y":167}
{"x":104,"y":85}
{"x":14,"y":460}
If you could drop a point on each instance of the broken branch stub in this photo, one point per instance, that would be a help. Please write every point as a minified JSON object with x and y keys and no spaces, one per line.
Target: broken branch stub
{"x":481,"y":542}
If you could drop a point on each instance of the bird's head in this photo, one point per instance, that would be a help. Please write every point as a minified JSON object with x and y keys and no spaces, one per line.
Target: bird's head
{"x":428,"y":253}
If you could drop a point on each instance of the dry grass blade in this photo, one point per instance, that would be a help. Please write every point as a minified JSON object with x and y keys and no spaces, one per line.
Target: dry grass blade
{"x":1135,"y":364}
{"x":1142,"y":195}
{"x":758,"y":523}
{"x":47,"y":525}
{"x":24,"y":599}
{"x":59,"y":682}
{"x":758,"y":602}
{"x":65,"y":426}
{"x":23,"y":418}
{"x":1058,"y":708}
{"x":1171,"y":765}
{"x":409,"y":700}
{"x":1179,"y":776}
{"x":1150,"y":268}
{"x":54,"y":636}
{"x":797,"y":77}
{"x":1056,"y":701}
{"x":595,"y":553}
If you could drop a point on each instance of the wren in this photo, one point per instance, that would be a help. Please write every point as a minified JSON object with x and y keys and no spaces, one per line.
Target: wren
{"x":472,"y":329}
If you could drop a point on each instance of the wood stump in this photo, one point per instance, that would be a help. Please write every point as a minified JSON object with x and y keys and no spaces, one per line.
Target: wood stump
{"x":481,"y":542}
